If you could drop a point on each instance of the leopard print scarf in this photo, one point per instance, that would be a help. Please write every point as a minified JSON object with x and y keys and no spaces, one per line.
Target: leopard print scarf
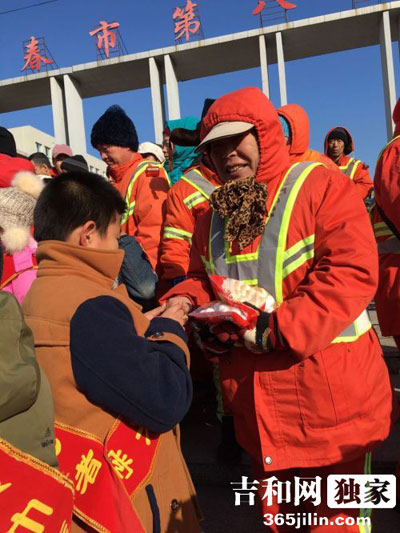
{"x":243,"y":202}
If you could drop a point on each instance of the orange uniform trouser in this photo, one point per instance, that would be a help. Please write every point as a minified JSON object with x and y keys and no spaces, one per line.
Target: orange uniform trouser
{"x":357,"y":466}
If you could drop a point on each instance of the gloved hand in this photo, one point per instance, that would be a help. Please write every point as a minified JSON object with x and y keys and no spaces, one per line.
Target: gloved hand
{"x":215,"y":340}
{"x":256,"y":339}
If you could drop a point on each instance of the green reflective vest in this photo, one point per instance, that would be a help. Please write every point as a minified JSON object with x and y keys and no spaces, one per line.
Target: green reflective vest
{"x":272,"y":262}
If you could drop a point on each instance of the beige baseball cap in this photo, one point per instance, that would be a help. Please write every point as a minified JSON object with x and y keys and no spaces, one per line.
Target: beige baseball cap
{"x":225,"y":129}
{"x":151,"y":148}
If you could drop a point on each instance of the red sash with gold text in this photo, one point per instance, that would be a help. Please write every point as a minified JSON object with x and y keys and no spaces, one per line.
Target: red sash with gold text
{"x":106,"y":475}
{"x":33,"y":495}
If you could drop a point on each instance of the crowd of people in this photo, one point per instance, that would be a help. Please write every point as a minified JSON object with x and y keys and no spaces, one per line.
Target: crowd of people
{"x":96,"y":364}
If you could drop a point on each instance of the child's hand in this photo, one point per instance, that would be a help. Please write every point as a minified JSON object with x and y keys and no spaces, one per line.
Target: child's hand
{"x":155,"y":312}
{"x":177,"y":310}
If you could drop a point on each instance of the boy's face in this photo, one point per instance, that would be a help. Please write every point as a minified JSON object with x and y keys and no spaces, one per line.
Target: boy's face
{"x":108,"y":241}
{"x":89,"y":237}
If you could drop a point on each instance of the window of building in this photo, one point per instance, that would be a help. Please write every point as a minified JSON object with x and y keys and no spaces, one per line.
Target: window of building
{"x":47,"y":151}
{"x":38,"y":147}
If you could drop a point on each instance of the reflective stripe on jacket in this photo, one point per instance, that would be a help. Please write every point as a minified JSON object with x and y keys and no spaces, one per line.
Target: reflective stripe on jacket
{"x":350,"y":168}
{"x":358,"y":172}
{"x":386,"y":240}
{"x":387,"y":195}
{"x":187,"y":201}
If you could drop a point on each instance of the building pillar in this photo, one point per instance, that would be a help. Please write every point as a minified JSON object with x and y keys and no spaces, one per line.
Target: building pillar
{"x":387,"y":71}
{"x":74,"y":111}
{"x":264,"y":64}
{"x":174,"y":110}
{"x":281,"y":68}
{"x":57,"y":105}
{"x":157,"y":98}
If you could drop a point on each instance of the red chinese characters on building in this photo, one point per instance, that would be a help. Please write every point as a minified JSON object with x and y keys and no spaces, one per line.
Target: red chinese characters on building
{"x":186,"y":21}
{"x":283,"y":3}
{"x":34,"y":57}
{"x":105,"y":37}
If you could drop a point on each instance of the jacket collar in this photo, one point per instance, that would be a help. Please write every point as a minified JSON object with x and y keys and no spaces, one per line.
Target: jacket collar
{"x":343,"y":160}
{"x":118,"y":172}
{"x":57,"y":258}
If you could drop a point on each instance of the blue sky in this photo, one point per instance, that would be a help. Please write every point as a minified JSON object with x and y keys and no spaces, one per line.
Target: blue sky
{"x":335,"y":89}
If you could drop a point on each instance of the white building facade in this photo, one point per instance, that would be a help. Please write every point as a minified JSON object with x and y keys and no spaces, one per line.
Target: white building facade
{"x":29,"y":140}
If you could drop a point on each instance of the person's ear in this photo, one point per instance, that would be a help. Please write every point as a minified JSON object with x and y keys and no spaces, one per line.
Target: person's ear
{"x":207,"y":161}
{"x":87,"y":234}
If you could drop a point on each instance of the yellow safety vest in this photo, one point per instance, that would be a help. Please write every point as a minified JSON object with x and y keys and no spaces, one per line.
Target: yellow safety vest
{"x":272,"y":262}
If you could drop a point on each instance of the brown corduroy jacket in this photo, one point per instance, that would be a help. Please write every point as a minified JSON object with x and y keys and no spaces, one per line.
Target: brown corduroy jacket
{"x":68,"y":276}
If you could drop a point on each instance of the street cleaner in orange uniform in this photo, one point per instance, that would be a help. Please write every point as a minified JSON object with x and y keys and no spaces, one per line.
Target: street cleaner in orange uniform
{"x":386,"y":222}
{"x":119,"y":378}
{"x":188,"y":200}
{"x":296,"y":130}
{"x":312,"y":395}
{"x":338,"y":146}
{"x":143,"y":184}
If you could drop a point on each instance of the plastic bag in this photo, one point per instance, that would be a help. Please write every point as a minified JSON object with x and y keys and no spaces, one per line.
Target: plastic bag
{"x":233,"y":291}
{"x":231,"y":305}
{"x":217,"y":312}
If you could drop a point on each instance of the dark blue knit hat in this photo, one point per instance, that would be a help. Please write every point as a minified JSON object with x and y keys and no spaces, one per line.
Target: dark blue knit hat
{"x":114,"y":127}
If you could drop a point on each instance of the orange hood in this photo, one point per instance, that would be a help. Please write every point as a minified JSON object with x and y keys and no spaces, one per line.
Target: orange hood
{"x":251,"y":105}
{"x":396,"y":118}
{"x":350,"y":137}
{"x":299,"y":127}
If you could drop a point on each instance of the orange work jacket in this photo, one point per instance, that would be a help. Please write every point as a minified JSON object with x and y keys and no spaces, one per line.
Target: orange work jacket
{"x":146,"y":202}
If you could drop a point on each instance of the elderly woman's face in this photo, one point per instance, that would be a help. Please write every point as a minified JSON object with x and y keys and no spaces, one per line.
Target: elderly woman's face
{"x":235,"y":157}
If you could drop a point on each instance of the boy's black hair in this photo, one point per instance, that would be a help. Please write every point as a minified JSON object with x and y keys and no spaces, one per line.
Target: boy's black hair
{"x":71,"y":200}
{"x":38,"y":158}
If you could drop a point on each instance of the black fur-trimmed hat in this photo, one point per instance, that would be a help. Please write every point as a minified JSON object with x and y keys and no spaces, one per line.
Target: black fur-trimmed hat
{"x":114,"y":127}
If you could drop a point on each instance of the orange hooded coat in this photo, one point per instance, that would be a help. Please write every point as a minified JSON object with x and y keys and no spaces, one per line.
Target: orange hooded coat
{"x":308,"y":402}
{"x":361,"y":179}
{"x":387,"y":194}
{"x":300,"y":136}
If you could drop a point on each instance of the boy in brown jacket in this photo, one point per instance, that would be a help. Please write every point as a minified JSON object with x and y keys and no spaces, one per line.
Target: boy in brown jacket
{"x":119,"y":378}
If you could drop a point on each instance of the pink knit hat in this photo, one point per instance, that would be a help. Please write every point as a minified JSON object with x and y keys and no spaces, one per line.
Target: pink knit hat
{"x":61,"y":149}
{"x":17,"y":204}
